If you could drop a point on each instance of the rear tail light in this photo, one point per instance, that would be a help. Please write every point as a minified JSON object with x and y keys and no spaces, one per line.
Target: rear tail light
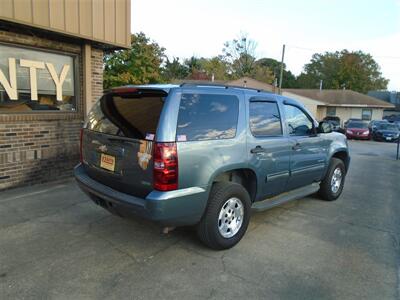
{"x":165,"y":170}
{"x":80,"y":146}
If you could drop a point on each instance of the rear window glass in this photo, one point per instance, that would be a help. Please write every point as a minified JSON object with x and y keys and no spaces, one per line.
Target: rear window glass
{"x":207,"y":117}
{"x":128,"y":116}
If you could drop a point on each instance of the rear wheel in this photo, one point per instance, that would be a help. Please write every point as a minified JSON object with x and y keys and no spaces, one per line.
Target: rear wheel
{"x":227,"y":216}
{"x":332,"y":185}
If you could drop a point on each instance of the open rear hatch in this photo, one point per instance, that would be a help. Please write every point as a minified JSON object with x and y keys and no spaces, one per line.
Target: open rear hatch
{"x":118,"y":139}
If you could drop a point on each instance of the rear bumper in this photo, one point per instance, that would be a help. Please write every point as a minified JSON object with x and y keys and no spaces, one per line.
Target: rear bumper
{"x":385,"y":138}
{"x":174,"y":208}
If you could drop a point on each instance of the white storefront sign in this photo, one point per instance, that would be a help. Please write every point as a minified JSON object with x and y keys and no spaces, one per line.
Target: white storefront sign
{"x":24,"y":70}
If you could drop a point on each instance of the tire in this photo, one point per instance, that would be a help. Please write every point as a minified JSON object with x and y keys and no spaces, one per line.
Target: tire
{"x":208,"y":230}
{"x":327,"y":191}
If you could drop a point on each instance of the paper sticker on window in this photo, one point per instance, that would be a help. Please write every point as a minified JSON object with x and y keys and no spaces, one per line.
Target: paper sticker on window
{"x":144,"y":154}
{"x":149,"y":136}
{"x":181,"y":138}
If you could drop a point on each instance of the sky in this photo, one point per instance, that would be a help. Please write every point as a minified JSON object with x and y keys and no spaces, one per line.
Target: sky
{"x":201,"y":27}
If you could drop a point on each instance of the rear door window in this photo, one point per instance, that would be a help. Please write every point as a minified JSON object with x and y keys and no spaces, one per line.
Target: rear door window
{"x":265,"y":119}
{"x":207,"y":117}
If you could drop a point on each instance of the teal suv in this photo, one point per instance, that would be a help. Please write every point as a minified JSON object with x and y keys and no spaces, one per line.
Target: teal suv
{"x":205,"y":155}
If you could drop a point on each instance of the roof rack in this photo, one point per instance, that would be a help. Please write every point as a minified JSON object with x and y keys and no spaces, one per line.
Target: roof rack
{"x":207,"y":84}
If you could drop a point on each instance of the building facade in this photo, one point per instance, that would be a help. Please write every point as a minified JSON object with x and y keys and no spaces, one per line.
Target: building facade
{"x":51,"y":72}
{"x":344,"y":104}
{"x":392,"y":97}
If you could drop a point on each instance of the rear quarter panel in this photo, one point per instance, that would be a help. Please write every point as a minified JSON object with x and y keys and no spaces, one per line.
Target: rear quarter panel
{"x":199,"y":162}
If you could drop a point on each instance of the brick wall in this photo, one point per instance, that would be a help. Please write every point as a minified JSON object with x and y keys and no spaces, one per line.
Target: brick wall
{"x":38,"y":151}
{"x":36,"y":147}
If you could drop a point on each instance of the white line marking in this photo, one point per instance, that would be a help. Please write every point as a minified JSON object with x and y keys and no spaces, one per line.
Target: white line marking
{"x":35,"y":193}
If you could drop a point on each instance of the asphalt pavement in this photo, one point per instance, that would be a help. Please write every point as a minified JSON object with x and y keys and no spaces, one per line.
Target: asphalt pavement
{"x":56,"y":244}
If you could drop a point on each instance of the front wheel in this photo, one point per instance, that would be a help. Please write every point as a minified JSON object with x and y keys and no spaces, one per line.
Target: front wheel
{"x":332,"y":185}
{"x":227,"y":216}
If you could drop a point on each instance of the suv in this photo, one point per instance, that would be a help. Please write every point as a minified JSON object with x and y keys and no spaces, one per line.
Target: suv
{"x":205,"y":155}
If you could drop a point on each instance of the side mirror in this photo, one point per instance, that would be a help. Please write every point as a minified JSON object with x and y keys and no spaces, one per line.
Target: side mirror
{"x":325,"y":127}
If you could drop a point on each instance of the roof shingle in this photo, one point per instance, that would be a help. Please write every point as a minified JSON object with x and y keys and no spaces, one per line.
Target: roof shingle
{"x":340,"y":98}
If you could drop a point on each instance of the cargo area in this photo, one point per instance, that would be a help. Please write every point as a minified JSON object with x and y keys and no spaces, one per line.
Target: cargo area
{"x":118,"y":139}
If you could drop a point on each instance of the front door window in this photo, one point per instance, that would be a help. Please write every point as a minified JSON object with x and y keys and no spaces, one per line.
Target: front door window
{"x":298,"y":123}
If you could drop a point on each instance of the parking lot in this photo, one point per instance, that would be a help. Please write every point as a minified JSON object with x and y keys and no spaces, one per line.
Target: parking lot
{"x":55,"y":243}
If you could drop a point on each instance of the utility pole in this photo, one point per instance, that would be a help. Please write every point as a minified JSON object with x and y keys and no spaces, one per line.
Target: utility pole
{"x":320,"y":85}
{"x":281,"y":77}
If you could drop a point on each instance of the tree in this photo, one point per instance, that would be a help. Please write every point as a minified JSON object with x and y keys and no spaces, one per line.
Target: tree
{"x":216,"y":67}
{"x":289,"y":80}
{"x":240,"y":56}
{"x":193,"y":64}
{"x":140,"y":64}
{"x":174,"y":70}
{"x":264,"y":74}
{"x":356,"y":70}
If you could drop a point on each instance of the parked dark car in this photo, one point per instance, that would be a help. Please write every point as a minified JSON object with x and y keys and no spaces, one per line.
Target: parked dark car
{"x":392,"y":118}
{"x":205,"y":156}
{"x":358,"y":130}
{"x":387,"y":132}
{"x":374,"y":123}
{"x":335,"y":122}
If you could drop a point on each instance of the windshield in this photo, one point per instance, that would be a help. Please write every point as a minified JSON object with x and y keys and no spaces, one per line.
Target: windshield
{"x":333,"y":122}
{"x":388,"y":127}
{"x":357,"y":125}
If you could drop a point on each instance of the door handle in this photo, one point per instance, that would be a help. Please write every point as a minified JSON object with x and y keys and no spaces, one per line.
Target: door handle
{"x":296,"y":147}
{"x":257,"y":149}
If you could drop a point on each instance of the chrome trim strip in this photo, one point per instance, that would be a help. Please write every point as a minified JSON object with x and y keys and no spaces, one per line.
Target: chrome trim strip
{"x":275,"y":176}
{"x":158,"y":195}
{"x":308,"y":169}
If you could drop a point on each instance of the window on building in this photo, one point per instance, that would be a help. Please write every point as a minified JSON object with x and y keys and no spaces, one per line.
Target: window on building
{"x":32,"y":80}
{"x":331,"y":111}
{"x":207,"y":117}
{"x":297,"y":121}
{"x":366,"y":114}
{"x":265,"y":119}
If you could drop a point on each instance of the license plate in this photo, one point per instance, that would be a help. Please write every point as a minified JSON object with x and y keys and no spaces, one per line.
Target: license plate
{"x":107,"y":162}
{"x":389,"y":138}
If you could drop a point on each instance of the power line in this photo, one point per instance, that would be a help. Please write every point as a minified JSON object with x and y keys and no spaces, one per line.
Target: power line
{"x":301,"y":48}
